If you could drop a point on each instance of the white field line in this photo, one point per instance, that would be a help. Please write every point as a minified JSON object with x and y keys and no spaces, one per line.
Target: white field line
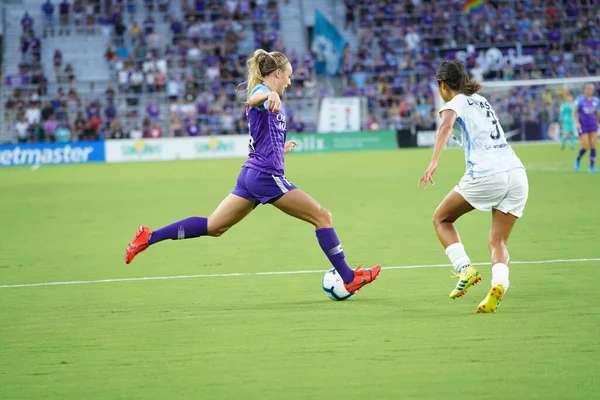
{"x":159,"y":278}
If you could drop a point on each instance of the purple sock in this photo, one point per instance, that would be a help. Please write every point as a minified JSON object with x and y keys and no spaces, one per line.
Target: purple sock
{"x":185,"y":229}
{"x":592,"y":157}
{"x":330,"y":244}
{"x":581,"y":153}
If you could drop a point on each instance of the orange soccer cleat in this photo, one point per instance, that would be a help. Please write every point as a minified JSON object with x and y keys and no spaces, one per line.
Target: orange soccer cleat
{"x":138,"y":244}
{"x":362,"y":277}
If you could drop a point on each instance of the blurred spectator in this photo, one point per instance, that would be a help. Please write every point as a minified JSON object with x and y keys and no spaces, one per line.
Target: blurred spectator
{"x":63,"y":12}
{"x":136,"y":80}
{"x":148,"y":25}
{"x":192,"y":128}
{"x":153,"y":110}
{"x":373,"y":122}
{"x":135,"y":32}
{"x":350,"y":17}
{"x":78,"y":13}
{"x":116,"y":130}
{"x":26,"y":22}
{"x":22,"y":129}
{"x":123,"y":78}
{"x":106,"y":25}
{"x":155,"y":40}
{"x":79,"y":126}
{"x":33,"y":113}
{"x":57,"y":59}
{"x":89,"y":132}
{"x":48,"y":11}
{"x":149,"y":4}
{"x":136,"y":133}
{"x":63,"y":132}
{"x":154,"y":132}
{"x":50,"y":126}
{"x":110,"y":112}
{"x":120,"y":29}
{"x":95,"y":120}
{"x":92,"y":94}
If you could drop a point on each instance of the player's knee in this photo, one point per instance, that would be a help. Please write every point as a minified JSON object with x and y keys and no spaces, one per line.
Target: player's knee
{"x":496,"y":241}
{"x":435,"y":219}
{"x":323,"y":219}
{"x":215,"y":230}
{"x":439,"y":218}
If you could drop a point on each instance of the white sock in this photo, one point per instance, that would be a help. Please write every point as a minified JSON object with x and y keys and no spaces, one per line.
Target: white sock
{"x":458,"y":257}
{"x":500,"y":275}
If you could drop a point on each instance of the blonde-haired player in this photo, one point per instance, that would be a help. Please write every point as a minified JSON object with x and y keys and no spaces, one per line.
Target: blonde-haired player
{"x":495,"y":180}
{"x":261,"y":179}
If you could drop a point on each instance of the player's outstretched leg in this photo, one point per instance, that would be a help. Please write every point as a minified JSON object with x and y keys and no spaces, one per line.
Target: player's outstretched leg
{"x":502,"y":224}
{"x":300,"y":205}
{"x":231,"y":210}
{"x":450,"y":209}
{"x":572,"y":141}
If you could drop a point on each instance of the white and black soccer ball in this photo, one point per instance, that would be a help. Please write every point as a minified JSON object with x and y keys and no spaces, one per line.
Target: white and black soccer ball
{"x":333,"y":286}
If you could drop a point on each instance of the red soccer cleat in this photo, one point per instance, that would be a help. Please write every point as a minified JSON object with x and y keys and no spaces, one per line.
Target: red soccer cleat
{"x":138,"y":244}
{"x":362,"y":277}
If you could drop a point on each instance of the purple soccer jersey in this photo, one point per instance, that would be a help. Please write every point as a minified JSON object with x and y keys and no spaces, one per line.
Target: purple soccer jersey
{"x":261,"y":178}
{"x":267,"y":137}
{"x":586,"y":111}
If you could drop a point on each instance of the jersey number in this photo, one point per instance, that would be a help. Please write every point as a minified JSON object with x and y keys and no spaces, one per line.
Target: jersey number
{"x":251,"y":142}
{"x":495,"y":136}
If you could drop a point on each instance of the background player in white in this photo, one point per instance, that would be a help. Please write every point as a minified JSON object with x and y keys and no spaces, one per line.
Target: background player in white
{"x":495,"y":180}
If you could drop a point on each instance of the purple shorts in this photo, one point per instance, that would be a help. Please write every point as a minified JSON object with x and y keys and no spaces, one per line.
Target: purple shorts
{"x":589,"y":128}
{"x":254,"y":185}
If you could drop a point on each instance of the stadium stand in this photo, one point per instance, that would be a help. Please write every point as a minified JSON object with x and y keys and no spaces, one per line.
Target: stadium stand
{"x":130,"y":68}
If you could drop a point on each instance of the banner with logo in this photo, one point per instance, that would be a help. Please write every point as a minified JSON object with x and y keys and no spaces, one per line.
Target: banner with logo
{"x":349,"y":141}
{"x":339,"y":114}
{"x":52,"y":153}
{"x":176,"y":148}
{"x":495,"y":56}
{"x":327,"y":46}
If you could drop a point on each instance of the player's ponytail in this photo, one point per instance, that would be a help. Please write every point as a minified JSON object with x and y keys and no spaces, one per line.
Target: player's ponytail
{"x":455,"y":75}
{"x":260,"y":65}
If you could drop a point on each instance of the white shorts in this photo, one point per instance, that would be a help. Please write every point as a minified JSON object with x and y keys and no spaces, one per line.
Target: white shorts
{"x":505,"y":191}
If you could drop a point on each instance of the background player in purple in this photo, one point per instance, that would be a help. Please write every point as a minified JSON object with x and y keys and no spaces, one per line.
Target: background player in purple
{"x":262,"y":180}
{"x":586,"y":114}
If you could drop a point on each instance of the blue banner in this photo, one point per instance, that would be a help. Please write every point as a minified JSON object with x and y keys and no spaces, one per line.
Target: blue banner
{"x":327,"y":46}
{"x":51,"y":153}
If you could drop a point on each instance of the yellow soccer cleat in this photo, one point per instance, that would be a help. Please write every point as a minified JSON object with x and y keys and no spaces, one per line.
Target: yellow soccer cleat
{"x":492,"y":300}
{"x":467,"y":278}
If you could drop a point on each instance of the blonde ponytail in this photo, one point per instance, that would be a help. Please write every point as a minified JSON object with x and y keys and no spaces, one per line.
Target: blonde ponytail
{"x":259,"y":66}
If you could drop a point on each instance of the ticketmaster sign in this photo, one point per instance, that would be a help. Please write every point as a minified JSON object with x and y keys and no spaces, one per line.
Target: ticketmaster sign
{"x":52,"y":153}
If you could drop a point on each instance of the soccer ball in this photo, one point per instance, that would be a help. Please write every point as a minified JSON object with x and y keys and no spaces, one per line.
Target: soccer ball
{"x":333,"y":286}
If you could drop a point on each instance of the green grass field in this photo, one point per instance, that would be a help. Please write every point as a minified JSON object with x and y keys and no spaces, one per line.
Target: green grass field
{"x":278,"y":336}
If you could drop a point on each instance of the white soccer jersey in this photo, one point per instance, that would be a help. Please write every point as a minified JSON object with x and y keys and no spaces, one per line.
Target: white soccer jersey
{"x":481,"y":136}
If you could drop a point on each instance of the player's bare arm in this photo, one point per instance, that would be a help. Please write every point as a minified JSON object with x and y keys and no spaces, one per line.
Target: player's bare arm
{"x":273,"y":98}
{"x":441,"y":140}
